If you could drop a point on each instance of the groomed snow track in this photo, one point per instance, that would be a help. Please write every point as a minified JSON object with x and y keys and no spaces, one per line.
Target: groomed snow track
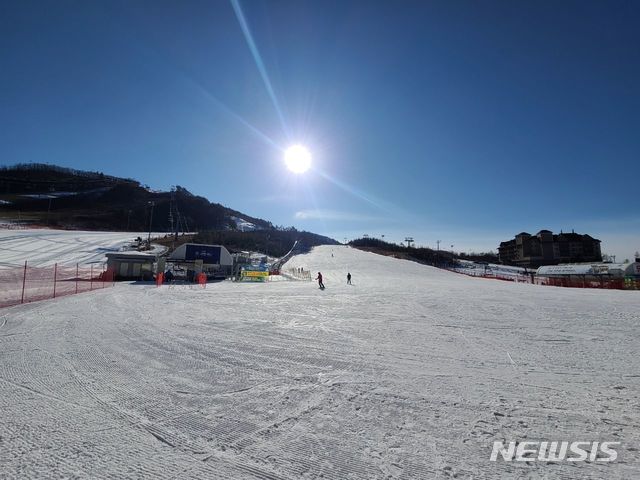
{"x":43,"y":247}
{"x":411,"y":372}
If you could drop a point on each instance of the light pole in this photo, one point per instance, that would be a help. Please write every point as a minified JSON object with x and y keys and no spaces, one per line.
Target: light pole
{"x":150,"y":222}
{"x":266,"y":248}
{"x":49,"y":207}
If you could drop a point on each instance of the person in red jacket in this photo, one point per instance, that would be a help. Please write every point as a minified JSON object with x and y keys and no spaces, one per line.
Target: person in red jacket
{"x":319,"y":278}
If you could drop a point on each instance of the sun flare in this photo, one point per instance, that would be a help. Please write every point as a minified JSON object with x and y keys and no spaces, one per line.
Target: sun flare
{"x":297,"y":158}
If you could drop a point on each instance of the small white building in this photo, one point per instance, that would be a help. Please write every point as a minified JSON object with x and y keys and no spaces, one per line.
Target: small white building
{"x":595,"y":275}
{"x":131,"y":265}
{"x":612,"y":270}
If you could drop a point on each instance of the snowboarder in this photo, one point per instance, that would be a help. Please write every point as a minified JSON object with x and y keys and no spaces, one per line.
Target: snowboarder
{"x":319,"y":278}
{"x":348,"y":278}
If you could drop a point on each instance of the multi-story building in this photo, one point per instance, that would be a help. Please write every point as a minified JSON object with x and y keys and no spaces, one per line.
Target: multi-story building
{"x":545,"y":248}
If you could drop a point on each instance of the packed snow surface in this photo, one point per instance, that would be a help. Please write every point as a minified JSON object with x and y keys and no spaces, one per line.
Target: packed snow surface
{"x":411,"y":372}
{"x":42,"y":247}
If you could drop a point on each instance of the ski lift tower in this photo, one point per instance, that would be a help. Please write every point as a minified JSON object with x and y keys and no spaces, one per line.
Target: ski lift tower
{"x":151,"y":204}
{"x":409,"y":241}
{"x":171,"y":210}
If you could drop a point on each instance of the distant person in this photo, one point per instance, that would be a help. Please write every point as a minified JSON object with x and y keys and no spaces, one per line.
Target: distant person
{"x":168,"y":276}
{"x":348,"y":278}
{"x":319,"y":278}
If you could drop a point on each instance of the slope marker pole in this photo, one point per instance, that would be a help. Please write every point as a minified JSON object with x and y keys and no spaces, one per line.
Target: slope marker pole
{"x":24,"y":280}
{"x":55,"y":278}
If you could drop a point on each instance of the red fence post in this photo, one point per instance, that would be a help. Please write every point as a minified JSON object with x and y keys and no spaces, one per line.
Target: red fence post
{"x":91,"y":284}
{"x":77,"y":278}
{"x":24,"y":280}
{"x":55,"y":278}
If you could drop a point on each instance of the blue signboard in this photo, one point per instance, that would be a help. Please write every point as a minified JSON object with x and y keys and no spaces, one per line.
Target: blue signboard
{"x":207,"y":253}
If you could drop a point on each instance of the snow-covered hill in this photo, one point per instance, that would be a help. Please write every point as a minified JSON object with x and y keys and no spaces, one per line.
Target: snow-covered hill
{"x":412,"y":372}
{"x":243,"y":225}
{"x":41,"y":247}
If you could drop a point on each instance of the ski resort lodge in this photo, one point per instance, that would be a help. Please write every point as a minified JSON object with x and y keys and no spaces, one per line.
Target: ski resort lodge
{"x":216,"y":261}
{"x":545,"y":248}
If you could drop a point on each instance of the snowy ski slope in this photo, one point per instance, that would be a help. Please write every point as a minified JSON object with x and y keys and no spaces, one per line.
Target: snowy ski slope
{"x":42,"y":247}
{"x":412,"y":372}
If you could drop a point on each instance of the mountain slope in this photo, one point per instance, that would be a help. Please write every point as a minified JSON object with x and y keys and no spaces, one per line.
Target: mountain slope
{"x":78,"y":199}
{"x":67,"y":198}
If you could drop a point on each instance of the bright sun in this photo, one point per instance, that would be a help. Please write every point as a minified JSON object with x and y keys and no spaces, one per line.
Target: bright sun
{"x":297,"y":158}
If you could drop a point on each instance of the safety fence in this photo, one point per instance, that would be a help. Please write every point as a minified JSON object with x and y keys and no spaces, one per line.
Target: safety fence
{"x":29,"y":284}
{"x":579,"y":281}
{"x":496,"y":275}
{"x":572,"y":281}
{"x":297,"y":274}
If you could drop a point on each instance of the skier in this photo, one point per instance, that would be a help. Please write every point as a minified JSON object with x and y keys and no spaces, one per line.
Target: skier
{"x":348,"y":278}
{"x":319,"y":278}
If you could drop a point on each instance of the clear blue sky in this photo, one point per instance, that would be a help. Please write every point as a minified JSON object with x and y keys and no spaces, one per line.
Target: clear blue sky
{"x":461,"y":121}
